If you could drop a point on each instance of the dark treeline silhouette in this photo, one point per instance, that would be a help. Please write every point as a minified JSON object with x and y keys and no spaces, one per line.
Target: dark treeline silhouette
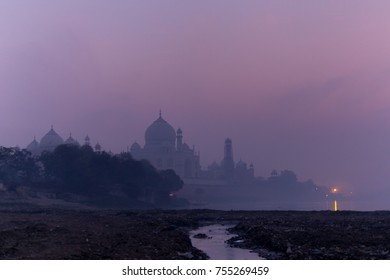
{"x":79,"y":174}
{"x":17,"y":168}
{"x":74,"y":172}
{"x":285,"y":185}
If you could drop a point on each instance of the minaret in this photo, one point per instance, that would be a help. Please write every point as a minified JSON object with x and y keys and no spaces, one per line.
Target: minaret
{"x":228,"y":162}
{"x":87,"y":141}
{"x":98,"y":148}
{"x":179,"y":140}
{"x":251,"y":171}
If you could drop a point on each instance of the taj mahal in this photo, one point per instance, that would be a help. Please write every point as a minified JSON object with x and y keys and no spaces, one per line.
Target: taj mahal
{"x":165,"y":148}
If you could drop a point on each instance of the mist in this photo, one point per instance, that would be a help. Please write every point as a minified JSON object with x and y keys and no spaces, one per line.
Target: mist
{"x":302,"y":87}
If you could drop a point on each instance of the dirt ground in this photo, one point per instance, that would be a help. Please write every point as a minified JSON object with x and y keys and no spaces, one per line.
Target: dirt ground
{"x":317,"y":235}
{"x":28,"y":232}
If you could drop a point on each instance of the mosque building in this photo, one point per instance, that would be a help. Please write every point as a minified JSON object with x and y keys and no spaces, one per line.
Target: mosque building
{"x":51,"y":140}
{"x":165,"y":149}
{"x":228,"y":170}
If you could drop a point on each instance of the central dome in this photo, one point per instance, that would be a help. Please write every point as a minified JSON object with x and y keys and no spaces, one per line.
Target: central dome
{"x":160,"y":132}
{"x":50,"y":141}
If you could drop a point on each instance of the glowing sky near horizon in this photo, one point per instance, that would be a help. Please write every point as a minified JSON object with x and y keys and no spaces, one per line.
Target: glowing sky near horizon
{"x":300,"y":85}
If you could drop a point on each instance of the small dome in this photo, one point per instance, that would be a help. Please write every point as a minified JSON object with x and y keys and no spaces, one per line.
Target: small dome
{"x":241,"y":164}
{"x":71,"y":141}
{"x":179,"y":131}
{"x":98,"y":147}
{"x":135,"y":147}
{"x":159,"y":132}
{"x":33,"y":147}
{"x":50,"y":141}
{"x":213,"y":166}
{"x":87,"y":141}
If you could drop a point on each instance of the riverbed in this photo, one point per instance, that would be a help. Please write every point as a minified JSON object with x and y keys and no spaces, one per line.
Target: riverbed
{"x":37,"y":232}
{"x":215,"y":246}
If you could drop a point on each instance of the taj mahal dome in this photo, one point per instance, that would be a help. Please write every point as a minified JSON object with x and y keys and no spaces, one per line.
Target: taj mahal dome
{"x":165,"y":149}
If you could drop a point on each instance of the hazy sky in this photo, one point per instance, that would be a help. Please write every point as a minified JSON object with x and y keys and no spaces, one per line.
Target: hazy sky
{"x":299,"y":85}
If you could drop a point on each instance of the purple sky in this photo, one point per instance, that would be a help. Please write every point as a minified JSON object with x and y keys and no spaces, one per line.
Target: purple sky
{"x":299,"y":85}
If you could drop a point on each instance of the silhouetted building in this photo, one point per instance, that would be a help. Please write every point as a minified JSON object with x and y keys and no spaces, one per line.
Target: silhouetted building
{"x":98,"y":148}
{"x":48,"y":143}
{"x":71,"y":141}
{"x":228,"y":170}
{"x":33,"y":147}
{"x":165,"y":149}
{"x":228,"y":162}
{"x":51,"y":140}
{"x":87,"y":141}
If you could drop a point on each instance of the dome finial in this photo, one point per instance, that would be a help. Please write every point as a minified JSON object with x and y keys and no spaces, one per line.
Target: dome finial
{"x":160,"y":113}
{"x":158,"y":132}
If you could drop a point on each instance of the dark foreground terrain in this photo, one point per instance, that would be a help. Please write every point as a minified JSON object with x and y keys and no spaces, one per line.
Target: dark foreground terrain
{"x":39,"y":233}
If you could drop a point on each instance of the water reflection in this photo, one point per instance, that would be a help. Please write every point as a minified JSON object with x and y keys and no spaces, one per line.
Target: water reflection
{"x":216,"y":248}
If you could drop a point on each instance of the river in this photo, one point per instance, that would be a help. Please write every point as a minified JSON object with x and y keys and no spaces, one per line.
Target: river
{"x":215,"y":245}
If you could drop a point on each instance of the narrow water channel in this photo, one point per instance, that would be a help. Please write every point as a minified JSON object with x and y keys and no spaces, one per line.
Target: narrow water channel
{"x":216,"y":248}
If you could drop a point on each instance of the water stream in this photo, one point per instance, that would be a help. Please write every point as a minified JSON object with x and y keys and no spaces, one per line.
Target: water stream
{"x":216,"y":248}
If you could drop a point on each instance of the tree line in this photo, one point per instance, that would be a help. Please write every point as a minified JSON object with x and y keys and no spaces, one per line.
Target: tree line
{"x":96,"y":176}
{"x":284,"y":185}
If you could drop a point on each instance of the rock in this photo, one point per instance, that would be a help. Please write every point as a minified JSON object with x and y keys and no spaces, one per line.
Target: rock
{"x":200,"y":236}
{"x":187,"y":255}
{"x":61,"y":234}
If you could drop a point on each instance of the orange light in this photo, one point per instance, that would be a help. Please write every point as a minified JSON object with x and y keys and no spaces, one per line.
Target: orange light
{"x":335,"y":206}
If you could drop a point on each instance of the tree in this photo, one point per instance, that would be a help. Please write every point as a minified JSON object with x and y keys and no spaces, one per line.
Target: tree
{"x":171,"y":182}
{"x":84,"y":172}
{"x":17,"y":168}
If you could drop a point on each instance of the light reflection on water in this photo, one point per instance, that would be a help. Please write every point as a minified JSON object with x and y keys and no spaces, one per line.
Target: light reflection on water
{"x":216,"y":248}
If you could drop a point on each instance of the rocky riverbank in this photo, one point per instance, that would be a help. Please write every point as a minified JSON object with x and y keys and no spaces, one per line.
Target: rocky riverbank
{"x":316,"y":235}
{"x":28,"y":232}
